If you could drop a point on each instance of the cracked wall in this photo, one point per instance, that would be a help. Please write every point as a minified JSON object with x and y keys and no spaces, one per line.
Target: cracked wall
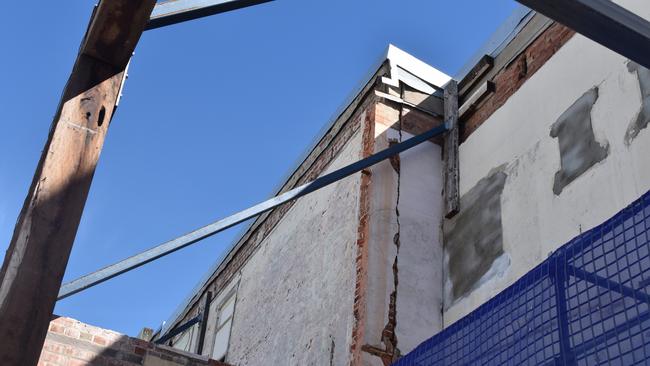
{"x":594,"y":97}
{"x":404,"y":284}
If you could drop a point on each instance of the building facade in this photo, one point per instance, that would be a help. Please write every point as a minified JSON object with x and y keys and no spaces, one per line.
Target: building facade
{"x":554,"y":141}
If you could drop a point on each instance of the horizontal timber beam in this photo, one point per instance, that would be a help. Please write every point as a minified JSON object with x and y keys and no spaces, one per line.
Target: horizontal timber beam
{"x":604,"y":22}
{"x":170,"y":12}
{"x":181,"y":242}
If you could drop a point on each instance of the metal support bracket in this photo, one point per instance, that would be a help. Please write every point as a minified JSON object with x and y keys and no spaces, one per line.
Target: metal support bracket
{"x":180,"y":329}
{"x":181,"y":242}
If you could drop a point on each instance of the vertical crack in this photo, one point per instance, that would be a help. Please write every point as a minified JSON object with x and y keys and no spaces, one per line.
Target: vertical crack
{"x":389,"y":338}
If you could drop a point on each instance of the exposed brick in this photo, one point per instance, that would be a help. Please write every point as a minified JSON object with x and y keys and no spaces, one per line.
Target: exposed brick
{"x":82,"y":354}
{"x":511,"y":78}
{"x":257,"y":234}
{"x":72,"y":333}
{"x":358,"y":309}
{"x":57,"y":328}
{"x":74,"y":362}
{"x":100,"y":340}
{"x":51,"y":357}
{"x":70,"y":346}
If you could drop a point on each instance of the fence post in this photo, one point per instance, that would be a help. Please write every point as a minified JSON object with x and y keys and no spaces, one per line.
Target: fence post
{"x":559,"y":279}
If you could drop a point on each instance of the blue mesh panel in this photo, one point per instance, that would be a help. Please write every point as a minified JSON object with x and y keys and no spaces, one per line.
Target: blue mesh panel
{"x":587,"y":304}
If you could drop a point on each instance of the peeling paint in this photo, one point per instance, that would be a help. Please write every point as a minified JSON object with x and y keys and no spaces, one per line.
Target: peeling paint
{"x":579,"y":149}
{"x":643,"y":116}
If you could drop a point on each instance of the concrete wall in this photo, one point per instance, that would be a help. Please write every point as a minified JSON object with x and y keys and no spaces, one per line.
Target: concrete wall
{"x":70,"y":342}
{"x":404,"y":273}
{"x":295,"y":296}
{"x":598,"y":94}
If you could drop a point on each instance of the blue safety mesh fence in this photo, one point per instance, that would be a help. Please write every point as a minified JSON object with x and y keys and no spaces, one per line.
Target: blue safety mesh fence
{"x":587,"y":304}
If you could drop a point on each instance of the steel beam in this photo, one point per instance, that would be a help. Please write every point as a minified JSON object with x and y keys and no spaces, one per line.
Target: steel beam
{"x":176,"y":11}
{"x":604,"y":22}
{"x":171,"y":246}
{"x":608,"y":284}
{"x":180,"y":329}
{"x":46,"y":227}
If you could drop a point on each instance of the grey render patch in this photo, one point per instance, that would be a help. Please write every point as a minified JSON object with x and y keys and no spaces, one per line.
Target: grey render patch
{"x":474,"y":237}
{"x":643,"y":116}
{"x":579,"y":149}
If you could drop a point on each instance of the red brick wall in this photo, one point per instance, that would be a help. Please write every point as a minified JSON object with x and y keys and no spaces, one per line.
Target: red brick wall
{"x":515,"y":74}
{"x":362,"y":240}
{"x":70,"y":342}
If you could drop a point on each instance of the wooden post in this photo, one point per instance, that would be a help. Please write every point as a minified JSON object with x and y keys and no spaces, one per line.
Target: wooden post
{"x":35,"y":262}
{"x":450,"y":152}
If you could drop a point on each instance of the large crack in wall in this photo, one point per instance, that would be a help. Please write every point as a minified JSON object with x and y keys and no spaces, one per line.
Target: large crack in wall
{"x":390,"y":353}
{"x":389,"y":337}
{"x":579,"y":149}
{"x":643,"y":116}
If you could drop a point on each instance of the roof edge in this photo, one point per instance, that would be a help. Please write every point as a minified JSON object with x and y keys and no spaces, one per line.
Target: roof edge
{"x":431,"y":81}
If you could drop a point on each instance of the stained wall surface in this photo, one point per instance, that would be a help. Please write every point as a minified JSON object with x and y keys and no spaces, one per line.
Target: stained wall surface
{"x":295,"y":296}
{"x":611,"y":172}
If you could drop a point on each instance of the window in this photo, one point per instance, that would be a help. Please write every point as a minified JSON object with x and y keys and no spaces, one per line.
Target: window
{"x":187,"y":340}
{"x":224,"y":323}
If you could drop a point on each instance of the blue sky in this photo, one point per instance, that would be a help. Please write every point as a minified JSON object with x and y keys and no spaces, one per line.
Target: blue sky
{"x":215,"y":112}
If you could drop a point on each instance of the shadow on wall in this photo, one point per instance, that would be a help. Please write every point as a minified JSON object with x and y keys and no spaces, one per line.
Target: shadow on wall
{"x":70,"y":342}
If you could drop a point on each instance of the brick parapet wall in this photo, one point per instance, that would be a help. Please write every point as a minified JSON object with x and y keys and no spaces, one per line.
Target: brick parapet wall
{"x":70,"y":342}
{"x":259,"y":233}
{"x":516,"y":73}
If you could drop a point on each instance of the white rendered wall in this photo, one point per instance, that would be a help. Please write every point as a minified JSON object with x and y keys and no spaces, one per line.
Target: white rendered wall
{"x":418,"y":182}
{"x":535,"y":221}
{"x":295,"y":297}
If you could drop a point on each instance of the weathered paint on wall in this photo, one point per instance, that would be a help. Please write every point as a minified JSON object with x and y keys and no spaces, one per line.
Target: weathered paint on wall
{"x":295,"y":297}
{"x":535,"y":220}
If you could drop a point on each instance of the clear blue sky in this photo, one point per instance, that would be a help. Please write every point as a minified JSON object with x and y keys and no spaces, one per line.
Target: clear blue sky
{"x":215,"y":112}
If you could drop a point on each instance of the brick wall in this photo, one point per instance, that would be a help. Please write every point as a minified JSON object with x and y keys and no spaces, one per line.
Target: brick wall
{"x":70,"y":342}
{"x":515,"y":74}
{"x":258,"y":232}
